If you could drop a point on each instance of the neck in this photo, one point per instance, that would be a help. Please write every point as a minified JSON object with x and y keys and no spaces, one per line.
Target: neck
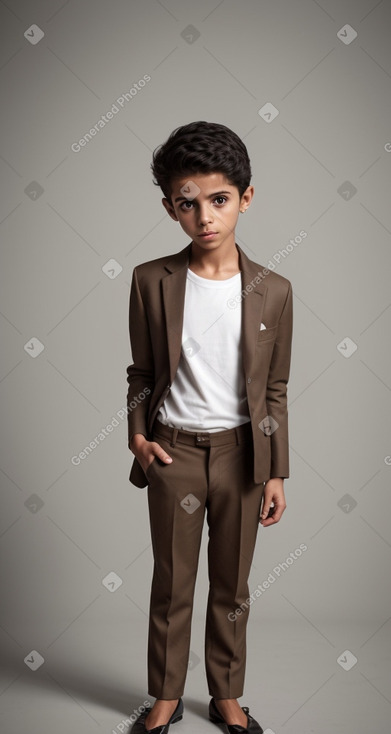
{"x":222,"y":259}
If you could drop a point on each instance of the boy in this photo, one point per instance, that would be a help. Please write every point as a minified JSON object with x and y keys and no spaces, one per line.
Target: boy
{"x":211,"y":338}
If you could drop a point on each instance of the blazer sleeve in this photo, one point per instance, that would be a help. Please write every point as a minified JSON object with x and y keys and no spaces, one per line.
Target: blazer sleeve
{"x":276,"y":392}
{"x":140,"y":374}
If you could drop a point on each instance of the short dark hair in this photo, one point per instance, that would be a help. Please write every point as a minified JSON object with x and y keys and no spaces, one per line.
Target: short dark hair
{"x":201,"y":147}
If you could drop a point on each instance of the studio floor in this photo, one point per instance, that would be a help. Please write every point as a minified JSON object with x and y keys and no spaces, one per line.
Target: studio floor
{"x":298,"y":680}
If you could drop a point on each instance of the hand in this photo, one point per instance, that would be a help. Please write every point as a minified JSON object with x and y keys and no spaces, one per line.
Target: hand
{"x":146,"y":451}
{"x":273,"y":493}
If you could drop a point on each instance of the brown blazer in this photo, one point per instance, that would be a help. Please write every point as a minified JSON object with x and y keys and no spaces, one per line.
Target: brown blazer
{"x":155,"y":326}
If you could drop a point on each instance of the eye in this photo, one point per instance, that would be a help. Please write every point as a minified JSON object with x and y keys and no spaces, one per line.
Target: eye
{"x":184,"y":206}
{"x":221,"y":197}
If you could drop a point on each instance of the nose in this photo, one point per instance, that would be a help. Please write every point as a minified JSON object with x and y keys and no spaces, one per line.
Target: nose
{"x":205,"y":213}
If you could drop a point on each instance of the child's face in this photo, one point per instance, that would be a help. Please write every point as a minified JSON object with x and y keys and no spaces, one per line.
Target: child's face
{"x":206,"y":202}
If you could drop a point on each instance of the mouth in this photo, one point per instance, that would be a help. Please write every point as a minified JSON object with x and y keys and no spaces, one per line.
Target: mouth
{"x":208,"y":234}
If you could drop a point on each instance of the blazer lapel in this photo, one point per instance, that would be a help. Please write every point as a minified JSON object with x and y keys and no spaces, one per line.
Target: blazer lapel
{"x":252,"y":302}
{"x":174,"y":287}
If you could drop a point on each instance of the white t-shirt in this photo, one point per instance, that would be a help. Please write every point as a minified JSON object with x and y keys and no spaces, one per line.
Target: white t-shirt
{"x":208,"y":392}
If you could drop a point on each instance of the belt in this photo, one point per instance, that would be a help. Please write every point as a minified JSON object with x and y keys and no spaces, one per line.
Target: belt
{"x":236,"y":435}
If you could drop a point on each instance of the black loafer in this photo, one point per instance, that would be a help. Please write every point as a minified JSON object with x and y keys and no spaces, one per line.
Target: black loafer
{"x":216,"y":717}
{"x":139,"y":725}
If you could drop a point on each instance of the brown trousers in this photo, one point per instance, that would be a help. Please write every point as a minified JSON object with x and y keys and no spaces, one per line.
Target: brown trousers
{"x":211,"y":471}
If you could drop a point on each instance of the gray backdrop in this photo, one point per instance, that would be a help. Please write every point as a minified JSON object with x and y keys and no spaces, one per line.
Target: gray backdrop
{"x":306,"y":85}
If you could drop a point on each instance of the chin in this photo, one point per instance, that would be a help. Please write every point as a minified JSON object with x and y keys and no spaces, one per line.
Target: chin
{"x":208,"y":245}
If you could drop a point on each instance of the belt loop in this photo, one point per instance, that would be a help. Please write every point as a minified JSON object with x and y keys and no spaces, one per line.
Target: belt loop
{"x":173,"y":437}
{"x":237,"y":428}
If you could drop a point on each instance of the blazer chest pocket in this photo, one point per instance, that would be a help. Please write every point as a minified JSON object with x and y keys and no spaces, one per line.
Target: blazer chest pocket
{"x":266,"y":335}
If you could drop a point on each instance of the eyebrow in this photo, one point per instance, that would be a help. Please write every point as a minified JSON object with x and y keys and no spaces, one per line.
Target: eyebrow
{"x":211,"y":196}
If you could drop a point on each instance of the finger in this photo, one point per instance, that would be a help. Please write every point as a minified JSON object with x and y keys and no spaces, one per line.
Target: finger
{"x":267,"y":522}
{"x":268,"y":519}
{"x":275,"y":515}
{"x":161,"y":453}
{"x":266,"y":508}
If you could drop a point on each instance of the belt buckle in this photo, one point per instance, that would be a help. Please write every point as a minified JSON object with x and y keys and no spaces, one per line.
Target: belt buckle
{"x":202,"y":438}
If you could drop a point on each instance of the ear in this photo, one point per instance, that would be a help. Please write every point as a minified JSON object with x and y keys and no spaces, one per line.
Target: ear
{"x":245,"y":200}
{"x":170,"y":209}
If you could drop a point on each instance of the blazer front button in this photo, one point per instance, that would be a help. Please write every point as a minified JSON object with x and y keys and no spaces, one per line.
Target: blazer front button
{"x":249,"y":379}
